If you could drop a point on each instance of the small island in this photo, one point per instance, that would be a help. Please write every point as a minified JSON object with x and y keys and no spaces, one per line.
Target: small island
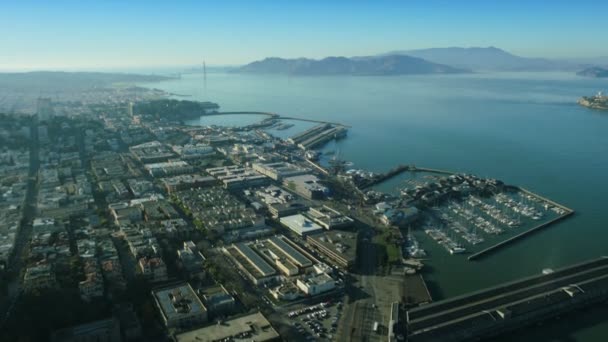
{"x":594,"y":72}
{"x":598,"y":101}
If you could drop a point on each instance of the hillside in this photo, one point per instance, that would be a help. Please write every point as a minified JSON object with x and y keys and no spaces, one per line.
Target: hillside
{"x":484,"y":58}
{"x":594,"y":72}
{"x":377,"y":65}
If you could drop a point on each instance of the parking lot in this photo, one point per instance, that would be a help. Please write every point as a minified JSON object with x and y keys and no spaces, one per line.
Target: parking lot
{"x":318,"y":322}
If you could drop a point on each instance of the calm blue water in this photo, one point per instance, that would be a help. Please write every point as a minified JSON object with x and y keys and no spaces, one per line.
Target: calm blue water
{"x":523,"y":128}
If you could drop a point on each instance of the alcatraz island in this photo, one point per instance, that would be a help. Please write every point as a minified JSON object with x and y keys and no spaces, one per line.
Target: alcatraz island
{"x":598,"y":101}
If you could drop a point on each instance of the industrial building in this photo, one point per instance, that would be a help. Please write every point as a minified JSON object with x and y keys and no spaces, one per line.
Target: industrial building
{"x":251,"y":263}
{"x":184,"y":182}
{"x":307,"y":186}
{"x":510,"y":306}
{"x":254,"y":327}
{"x":151,"y":152}
{"x":237,"y":177}
{"x":279,"y":170}
{"x":180,"y":307}
{"x":197,"y":151}
{"x":169,"y":168}
{"x":339,"y":246}
{"x":329,"y":218}
{"x":282,"y":253}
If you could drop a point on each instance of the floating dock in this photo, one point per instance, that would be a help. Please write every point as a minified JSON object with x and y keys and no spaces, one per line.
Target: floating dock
{"x":510,"y":306}
{"x":568,"y":212}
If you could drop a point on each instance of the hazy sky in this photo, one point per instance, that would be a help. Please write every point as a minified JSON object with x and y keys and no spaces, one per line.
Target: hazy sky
{"x":93,"y":34}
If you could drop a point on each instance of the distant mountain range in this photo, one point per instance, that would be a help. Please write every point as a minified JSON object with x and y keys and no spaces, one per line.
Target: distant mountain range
{"x":372,"y":65}
{"x":595,"y":72}
{"x":485,"y":58}
{"x":424,"y":61}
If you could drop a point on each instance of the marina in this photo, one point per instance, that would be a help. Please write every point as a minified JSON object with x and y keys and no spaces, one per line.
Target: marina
{"x":465,"y":214}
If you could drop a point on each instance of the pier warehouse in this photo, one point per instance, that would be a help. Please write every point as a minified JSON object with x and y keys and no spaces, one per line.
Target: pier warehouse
{"x":510,"y":306}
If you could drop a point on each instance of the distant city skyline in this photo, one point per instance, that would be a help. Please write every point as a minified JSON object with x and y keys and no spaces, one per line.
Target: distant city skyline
{"x":69,"y":35}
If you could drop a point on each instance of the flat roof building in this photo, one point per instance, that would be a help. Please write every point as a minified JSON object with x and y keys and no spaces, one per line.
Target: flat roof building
{"x":169,"y":168}
{"x":300,"y":224}
{"x":329,"y":218}
{"x":339,"y":246}
{"x":252,"y":264}
{"x":279,"y":170}
{"x":294,"y":255}
{"x":236,"y":177}
{"x":217,"y":300}
{"x":180,"y":307}
{"x":316,"y":284}
{"x":254,"y":327}
{"x":306,"y":185}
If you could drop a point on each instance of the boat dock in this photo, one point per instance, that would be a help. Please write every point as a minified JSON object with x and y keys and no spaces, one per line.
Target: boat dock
{"x":318,"y":135}
{"x":377,"y":179}
{"x":510,"y":306}
{"x":567,"y":213}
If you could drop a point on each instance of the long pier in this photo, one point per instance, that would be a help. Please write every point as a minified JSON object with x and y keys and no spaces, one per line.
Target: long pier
{"x":569,"y":212}
{"x":277,"y":116}
{"x":510,"y":306}
{"x":386,"y":176}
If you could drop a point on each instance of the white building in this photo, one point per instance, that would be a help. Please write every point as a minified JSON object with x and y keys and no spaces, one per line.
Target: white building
{"x":316,"y":284}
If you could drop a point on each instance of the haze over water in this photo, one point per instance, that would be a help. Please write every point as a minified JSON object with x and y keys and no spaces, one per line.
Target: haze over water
{"x":523,"y":128}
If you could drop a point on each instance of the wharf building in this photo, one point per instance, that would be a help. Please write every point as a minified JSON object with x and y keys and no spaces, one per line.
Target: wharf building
{"x":180,"y":307}
{"x":317,"y":135}
{"x":510,"y":306}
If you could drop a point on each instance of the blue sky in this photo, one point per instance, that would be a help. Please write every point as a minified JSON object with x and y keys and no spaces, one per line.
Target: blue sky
{"x":96,"y":34}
